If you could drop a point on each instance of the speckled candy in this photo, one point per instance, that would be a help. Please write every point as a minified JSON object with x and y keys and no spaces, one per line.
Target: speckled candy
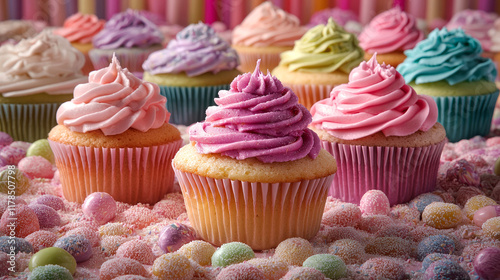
{"x":429,"y":259}
{"x":491,"y":228}
{"x":36,"y":167}
{"x":346,"y":214}
{"x":199,"y":251}
{"x":173,"y":266}
{"x":350,"y":251}
{"x":382,"y":268}
{"x":272,"y":268}
{"x":294,"y":251}
{"x":486,"y":263}
{"x":445,"y":269}
{"x":435,"y":244}
{"x":242,"y":271}
{"x":114,"y":229}
{"x":332,"y":266}
{"x":53,"y":255}
{"x":486,"y":213}
{"x":50,"y":200}
{"x":19,"y":245}
{"x":41,"y":239}
{"x":173,"y":236}
{"x":475,"y":203}
{"x":442,"y":215}
{"x":421,"y":201}
{"x":374,"y":202}
{"x":232,"y":253}
{"x":12,"y":155}
{"x":137,"y":250}
{"x":41,"y":148}
{"x":99,"y":206}
{"x":115,"y":267}
{"x":26,"y":222}
{"x":77,"y":245}
{"x":50,"y":271}
{"x":14,"y":182}
{"x":47,"y":217}
{"x":300,"y":273}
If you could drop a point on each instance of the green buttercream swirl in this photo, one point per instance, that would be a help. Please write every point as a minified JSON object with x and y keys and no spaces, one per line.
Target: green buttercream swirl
{"x":324,"y":48}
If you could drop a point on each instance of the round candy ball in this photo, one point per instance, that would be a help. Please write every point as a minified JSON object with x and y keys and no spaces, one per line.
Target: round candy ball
{"x":383,"y":268}
{"x":26,"y":221}
{"x":15,"y":244}
{"x":47,"y":216}
{"x":232,"y":253}
{"x":435,"y":244}
{"x":199,"y":251}
{"x":421,"y":201}
{"x":173,"y":236}
{"x":41,"y":239}
{"x":349,"y":250}
{"x":100,"y":206}
{"x":36,"y":167}
{"x":53,"y":255}
{"x":137,"y":250}
{"x":77,"y":245}
{"x":475,"y":203}
{"x":346,"y":214}
{"x":117,"y":266}
{"x":293,"y":251}
{"x":5,"y":139}
{"x":374,"y":202}
{"x":173,"y":266}
{"x":301,"y":272}
{"x":12,"y":154}
{"x":486,"y":263}
{"x":14,"y":182}
{"x":446,"y":269}
{"x":491,"y":228}
{"x":241,"y":271}
{"x":50,"y":200}
{"x":5,"y":263}
{"x":429,"y":259}
{"x":272,"y":268}
{"x":50,"y":271}
{"x":486,"y":213}
{"x":41,"y":148}
{"x":442,"y":215}
{"x":332,"y":266}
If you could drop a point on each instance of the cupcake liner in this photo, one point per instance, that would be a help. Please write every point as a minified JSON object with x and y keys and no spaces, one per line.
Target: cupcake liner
{"x":130,"y":175}
{"x":310,"y":94}
{"x":187,"y":105}
{"x":401,"y":173}
{"x":28,"y":122}
{"x":258,"y":214}
{"x":132,"y":58}
{"x":248,"y":61}
{"x":464,"y":117}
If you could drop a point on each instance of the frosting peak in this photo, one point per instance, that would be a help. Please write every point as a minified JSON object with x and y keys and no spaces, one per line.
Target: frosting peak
{"x":475,"y":23}
{"x":80,"y":28}
{"x":376,"y":99}
{"x":113,"y":101}
{"x":258,"y":117}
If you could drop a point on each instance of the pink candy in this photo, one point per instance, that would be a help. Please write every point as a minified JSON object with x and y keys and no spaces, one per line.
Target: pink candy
{"x":100,"y":206}
{"x":36,"y":167}
{"x":374,"y":202}
{"x":174,"y":236}
{"x":486,"y":213}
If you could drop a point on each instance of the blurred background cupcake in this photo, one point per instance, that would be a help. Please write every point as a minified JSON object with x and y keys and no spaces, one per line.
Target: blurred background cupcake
{"x":449,"y":67}
{"x":79,"y":29}
{"x":381,"y":133}
{"x":191,"y":70}
{"x":494,"y":33}
{"x":114,"y":137}
{"x":37,"y":75}
{"x":319,"y":61}
{"x":264,"y":34}
{"x":345,"y":18}
{"x":13,"y":31}
{"x":128,"y":35}
{"x":389,"y":34}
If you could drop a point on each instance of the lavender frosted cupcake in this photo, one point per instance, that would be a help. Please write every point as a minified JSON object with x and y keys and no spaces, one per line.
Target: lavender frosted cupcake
{"x":130,"y":36}
{"x":191,"y":70}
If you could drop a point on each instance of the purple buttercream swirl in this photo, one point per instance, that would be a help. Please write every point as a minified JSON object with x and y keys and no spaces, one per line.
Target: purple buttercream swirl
{"x":127,"y":30}
{"x":258,"y":117}
{"x":196,"y":50}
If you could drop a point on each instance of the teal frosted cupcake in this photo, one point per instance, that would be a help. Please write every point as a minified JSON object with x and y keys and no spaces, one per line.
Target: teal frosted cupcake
{"x":448,"y":66}
{"x":191,"y":70}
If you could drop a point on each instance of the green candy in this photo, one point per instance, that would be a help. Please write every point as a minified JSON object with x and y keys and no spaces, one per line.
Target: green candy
{"x":232,"y":253}
{"x":53,"y":255}
{"x":41,"y":148}
{"x":332,"y":266}
{"x":50,"y":271}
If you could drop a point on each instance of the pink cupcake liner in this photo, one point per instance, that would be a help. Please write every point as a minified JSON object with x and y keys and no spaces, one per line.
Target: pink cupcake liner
{"x":131,"y":175}
{"x":310,"y":94}
{"x":248,"y":61}
{"x":401,"y":173}
{"x":258,"y":214}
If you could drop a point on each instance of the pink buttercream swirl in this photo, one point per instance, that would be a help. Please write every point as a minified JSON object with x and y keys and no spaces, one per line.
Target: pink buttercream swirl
{"x":376,"y":99}
{"x":392,"y":30}
{"x":475,"y":23}
{"x":258,"y":117}
{"x":113,"y":101}
{"x":80,"y":28}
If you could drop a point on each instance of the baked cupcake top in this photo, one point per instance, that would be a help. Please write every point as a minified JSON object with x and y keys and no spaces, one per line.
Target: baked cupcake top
{"x":324,"y":48}
{"x":16,"y":30}
{"x":196,"y":50}
{"x":392,"y":30}
{"x":128,"y":29}
{"x":80,"y":28}
{"x":376,"y":99}
{"x":257,"y":118}
{"x":447,"y":55}
{"x":494,"y":33}
{"x":267,"y":25}
{"x":475,"y":23}
{"x":113,"y":101}
{"x":46,"y":63}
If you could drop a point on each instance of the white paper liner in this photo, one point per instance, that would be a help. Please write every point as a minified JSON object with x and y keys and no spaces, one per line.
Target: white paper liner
{"x":310,"y":94}
{"x":28,"y":122}
{"x":131,"y":175}
{"x":258,"y":214}
{"x":248,"y":61}
{"x":401,"y":173}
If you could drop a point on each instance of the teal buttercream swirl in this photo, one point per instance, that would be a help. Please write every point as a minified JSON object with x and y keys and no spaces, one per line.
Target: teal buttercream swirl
{"x":447,"y":55}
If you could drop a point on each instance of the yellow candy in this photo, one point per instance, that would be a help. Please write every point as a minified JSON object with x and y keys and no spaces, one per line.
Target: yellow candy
{"x":13,"y":182}
{"x":110,"y":229}
{"x":173,"y":266}
{"x":198,"y":251}
{"x":294,"y":251}
{"x":475,"y":203}
{"x":442,"y":215}
{"x":491,"y":228}
{"x":273,"y":269}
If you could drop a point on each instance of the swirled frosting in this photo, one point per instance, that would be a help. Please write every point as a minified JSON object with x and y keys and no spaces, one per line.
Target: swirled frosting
{"x":196,"y":50}
{"x":113,"y":101}
{"x":258,"y":117}
{"x":127,"y":30}
{"x":268,"y":25}
{"x":451,"y":56}
{"x":392,"y":30}
{"x":80,"y":28}
{"x":376,"y":99}
{"x":16,"y":30}
{"x":475,"y":23}
{"x":324,"y":48}
{"x":46,"y":63}
{"x":495,"y":36}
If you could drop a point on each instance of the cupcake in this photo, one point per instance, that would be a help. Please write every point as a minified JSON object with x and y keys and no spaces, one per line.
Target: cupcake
{"x":114,"y":137}
{"x":389,"y":34}
{"x":494,"y":33}
{"x":37,"y":75}
{"x":254,"y":172}
{"x":345,"y":18}
{"x":191,"y":70}
{"x":382,"y":134}
{"x":448,"y":66}
{"x":264,"y":34}
{"x":128,"y":35}
{"x":319,"y":61}
{"x":13,"y":31}
{"x":79,"y":29}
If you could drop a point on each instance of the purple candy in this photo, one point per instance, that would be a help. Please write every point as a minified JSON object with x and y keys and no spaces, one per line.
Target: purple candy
{"x":173,"y":236}
{"x":77,"y":245}
{"x":5,"y":139}
{"x":12,"y":155}
{"x":50,"y":200}
{"x":47,"y":217}
{"x":487,"y":263}
{"x":21,"y":145}
{"x":100,"y":206}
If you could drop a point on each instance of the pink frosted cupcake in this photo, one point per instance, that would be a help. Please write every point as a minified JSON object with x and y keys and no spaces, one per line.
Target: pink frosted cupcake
{"x":114,"y":137}
{"x":383,"y":135}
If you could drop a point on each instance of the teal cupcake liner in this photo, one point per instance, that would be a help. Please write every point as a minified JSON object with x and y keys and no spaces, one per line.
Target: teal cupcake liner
{"x":187,"y":105}
{"x":28,"y":122}
{"x":464,"y":117}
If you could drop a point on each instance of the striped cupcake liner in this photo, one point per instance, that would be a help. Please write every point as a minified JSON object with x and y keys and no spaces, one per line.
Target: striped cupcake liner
{"x":310,"y":94}
{"x":248,"y":61}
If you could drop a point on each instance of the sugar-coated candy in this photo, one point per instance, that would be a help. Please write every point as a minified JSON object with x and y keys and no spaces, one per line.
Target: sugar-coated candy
{"x":232,"y":253}
{"x":53,"y":255}
{"x":110,"y":244}
{"x":442,"y":215}
{"x":435,"y":244}
{"x":89,"y":233}
{"x":429,"y":259}
{"x":445,"y":269}
{"x":241,"y":271}
{"x":16,"y":244}
{"x":41,"y":148}
{"x":346,"y":214}
{"x":5,"y":139}
{"x":199,"y":251}
{"x":114,"y":229}
{"x":301,"y":272}
{"x":421,"y":201}
{"x":293,"y":251}
{"x":50,"y":271}
{"x":117,"y":266}
{"x":4,"y":263}
{"x":486,"y":213}
{"x":36,"y":167}
{"x":332,"y":266}
{"x":491,"y":228}
{"x":475,"y":203}
{"x":374,"y":202}
{"x":77,"y":245}
{"x":26,"y":221}
{"x":21,"y":145}
{"x":486,"y":263}
{"x":173,"y":266}
{"x":382,"y":268}
{"x":47,"y":216}
{"x":137,"y":250}
{"x":173,"y":236}
{"x":50,"y":200}
{"x":41,"y":239}
{"x":12,"y":154}
{"x":100,"y":206}
{"x":349,"y":250}
{"x":272,"y":268}
{"x":138,"y":217}
{"x":14,"y":182}
{"x":389,"y":246}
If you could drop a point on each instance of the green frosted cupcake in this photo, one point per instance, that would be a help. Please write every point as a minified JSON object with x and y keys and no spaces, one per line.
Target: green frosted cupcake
{"x":190,"y":72}
{"x":448,"y":66}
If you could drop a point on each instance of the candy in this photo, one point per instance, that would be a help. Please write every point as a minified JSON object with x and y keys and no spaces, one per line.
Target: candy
{"x":138,"y":217}
{"x":374,"y":223}
{"x":50,"y":271}
{"x":53,"y":255}
{"x":12,"y":155}
{"x":374,"y":202}
{"x":389,"y":246}
{"x":199,"y":251}
{"x":486,"y":263}
{"x":13,"y":182}
{"x":293,"y":251}
{"x":332,"y":266}
{"x":137,"y":250}
{"x":99,"y":206}
{"x":421,"y":201}
{"x":88,"y":232}
{"x":50,"y":200}
{"x":115,"y":267}
{"x":77,"y":245}
{"x":465,"y":173}
{"x":4,"y":263}
{"x":241,"y":271}
{"x":114,"y":229}
{"x":435,"y":244}
{"x":346,"y":214}
{"x":21,"y":145}
{"x":382,"y":268}
{"x":8,"y":244}
{"x":232,"y":253}
{"x":442,"y":215}
{"x":26,"y":221}
{"x":446,"y":269}
{"x":169,"y":208}
{"x":173,"y":266}
{"x":47,"y":216}
{"x":5,"y":139}
{"x":350,"y":251}
{"x":273,"y":269}
{"x":429,"y":259}
{"x":41,"y":148}
{"x":41,"y":239}
{"x":110,"y":244}
{"x":491,"y":228}
{"x":486,"y":213}
{"x":301,"y":272}
{"x":36,"y":167}
{"x":475,"y":203}
{"x":173,"y":236}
